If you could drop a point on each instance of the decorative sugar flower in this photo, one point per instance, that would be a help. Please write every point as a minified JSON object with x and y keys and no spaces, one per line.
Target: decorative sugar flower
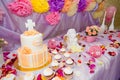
{"x":21,"y":7}
{"x":67,"y":5}
{"x":56,"y":5}
{"x":92,"y":30}
{"x":53,"y":18}
{"x":82,"y":5}
{"x":40,"y":6}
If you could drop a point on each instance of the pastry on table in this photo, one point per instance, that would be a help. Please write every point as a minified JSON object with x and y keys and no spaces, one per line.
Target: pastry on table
{"x":28,"y":76}
{"x":58,"y":78}
{"x":9,"y":77}
{"x":48,"y":73}
{"x":58,"y":57}
{"x":68,"y":72}
{"x":62,"y":50}
{"x":55,"y":65}
{"x":66,"y":55}
{"x":54,"y":52}
{"x":69,"y":61}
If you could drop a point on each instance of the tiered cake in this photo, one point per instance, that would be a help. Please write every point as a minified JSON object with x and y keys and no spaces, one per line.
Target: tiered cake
{"x":32,"y":53}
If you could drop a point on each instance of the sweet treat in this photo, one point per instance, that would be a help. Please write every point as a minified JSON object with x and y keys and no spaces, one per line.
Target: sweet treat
{"x":62,"y":50}
{"x":48,"y":73}
{"x":56,"y":78}
{"x":55,"y":52}
{"x":55,"y":64}
{"x":71,"y":39}
{"x":69,"y":61}
{"x":28,"y":76}
{"x":32,"y":53}
{"x":67,"y":55}
{"x":9,"y":77}
{"x":68,"y":71}
{"x":57,"y":57}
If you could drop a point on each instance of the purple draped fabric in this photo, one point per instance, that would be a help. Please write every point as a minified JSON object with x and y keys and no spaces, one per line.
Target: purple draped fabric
{"x":12,"y":26}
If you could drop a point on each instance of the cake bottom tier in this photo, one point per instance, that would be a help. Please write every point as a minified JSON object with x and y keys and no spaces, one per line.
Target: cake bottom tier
{"x":20,"y":68}
{"x":33,"y":60}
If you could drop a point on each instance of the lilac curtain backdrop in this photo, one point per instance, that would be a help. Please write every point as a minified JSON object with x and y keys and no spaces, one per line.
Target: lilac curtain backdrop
{"x":12,"y":26}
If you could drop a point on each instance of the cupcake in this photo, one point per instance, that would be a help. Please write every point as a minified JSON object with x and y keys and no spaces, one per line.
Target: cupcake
{"x":66,"y":55}
{"x":28,"y":76}
{"x":68,"y":72}
{"x":55,"y":52}
{"x":62,"y":50}
{"x":57,"y":57}
{"x":55,"y":65}
{"x":56,"y":78}
{"x":69,"y":61}
{"x":9,"y":77}
{"x":48,"y":73}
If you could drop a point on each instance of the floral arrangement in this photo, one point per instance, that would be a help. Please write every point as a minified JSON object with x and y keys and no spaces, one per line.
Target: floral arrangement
{"x":56,"y":5}
{"x":53,"y":18}
{"x":2,"y":42}
{"x":92,"y":30}
{"x":21,"y":7}
{"x":40,"y":6}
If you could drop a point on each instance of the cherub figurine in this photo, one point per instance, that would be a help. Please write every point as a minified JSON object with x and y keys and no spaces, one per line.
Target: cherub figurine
{"x":71,"y":40}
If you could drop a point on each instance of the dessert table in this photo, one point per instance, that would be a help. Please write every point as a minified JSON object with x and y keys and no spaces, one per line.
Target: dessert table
{"x":106,"y":67}
{"x":13,"y":25}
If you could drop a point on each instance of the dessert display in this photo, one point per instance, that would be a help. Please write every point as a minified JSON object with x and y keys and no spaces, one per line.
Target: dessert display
{"x":32,"y":53}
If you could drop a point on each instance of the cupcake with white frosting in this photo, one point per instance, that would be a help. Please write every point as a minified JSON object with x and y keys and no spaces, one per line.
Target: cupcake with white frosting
{"x":58,"y":57}
{"x":55,"y":52}
{"x":68,"y":72}
{"x":55,"y":65}
{"x":62,"y":50}
{"x":56,"y":78}
{"x":28,"y":76}
{"x":69,"y":62}
{"x":48,"y":73}
{"x":66,"y":55}
{"x":9,"y":77}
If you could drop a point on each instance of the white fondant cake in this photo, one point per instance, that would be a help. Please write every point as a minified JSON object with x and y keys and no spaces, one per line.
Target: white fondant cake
{"x":32,"y":53}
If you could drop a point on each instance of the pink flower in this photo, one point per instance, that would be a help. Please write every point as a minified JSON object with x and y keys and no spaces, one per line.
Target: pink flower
{"x":87,"y":29}
{"x":53,"y":18}
{"x":94,"y":32}
{"x":95,"y":51}
{"x":21,"y":7}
